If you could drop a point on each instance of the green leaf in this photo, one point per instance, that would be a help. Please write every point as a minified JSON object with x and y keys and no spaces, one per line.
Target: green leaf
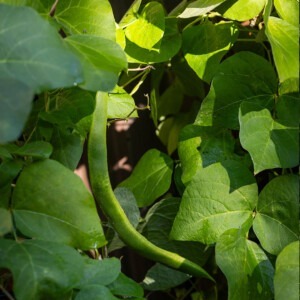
{"x":41,"y":270}
{"x":247,"y":268}
{"x":222,"y":196}
{"x":126,"y":287}
{"x":288,"y":109}
{"x":169,"y":46}
{"x":50,"y":202}
{"x":150,"y":178}
{"x":200,"y":147}
{"x":102,"y":61}
{"x":69,"y":106}
{"x":38,"y":149}
{"x":148,"y":29}
{"x":6,"y":224}
{"x":270,"y":144}
{"x":33,"y":52}
{"x":129,"y":205}
{"x":91,"y":17}
{"x":121,"y":105}
{"x":283,"y":38}
{"x":286,"y":280}
{"x":159,"y":221}
{"x":160,"y":277}
{"x":288,"y":10}
{"x":205,"y":45}
{"x":241,"y":10}
{"x":244,"y":76}
{"x":200,"y":7}
{"x":276,"y":222}
{"x":131,"y":14}
{"x":95,"y":292}
{"x":67,"y":147}
{"x":15,"y":102}
{"x":102,"y":272}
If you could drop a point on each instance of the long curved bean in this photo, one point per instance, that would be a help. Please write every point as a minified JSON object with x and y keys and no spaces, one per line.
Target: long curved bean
{"x":105,"y":198}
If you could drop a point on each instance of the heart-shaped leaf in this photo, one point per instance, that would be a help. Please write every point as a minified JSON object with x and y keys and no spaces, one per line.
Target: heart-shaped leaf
{"x":270,"y":144}
{"x":276,"y":221}
{"x":51,"y":203}
{"x":219,"y":197}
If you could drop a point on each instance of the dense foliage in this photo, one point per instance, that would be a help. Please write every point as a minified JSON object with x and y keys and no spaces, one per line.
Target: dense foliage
{"x":224,"y":98}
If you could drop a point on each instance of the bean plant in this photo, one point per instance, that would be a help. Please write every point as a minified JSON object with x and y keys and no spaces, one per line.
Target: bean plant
{"x":220,"y":204}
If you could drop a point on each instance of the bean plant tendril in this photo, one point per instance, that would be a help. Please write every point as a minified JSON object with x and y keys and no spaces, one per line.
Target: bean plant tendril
{"x":104,"y":196}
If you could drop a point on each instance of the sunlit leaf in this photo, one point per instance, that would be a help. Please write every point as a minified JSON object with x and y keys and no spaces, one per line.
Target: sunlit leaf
{"x":51,"y":203}
{"x":276,"y":222}
{"x":219,"y":197}
{"x":288,"y":10}
{"x":150,"y":178}
{"x":247,"y":268}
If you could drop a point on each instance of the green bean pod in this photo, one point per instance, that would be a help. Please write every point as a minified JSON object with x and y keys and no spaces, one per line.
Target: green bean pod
{"x":105,"y":198}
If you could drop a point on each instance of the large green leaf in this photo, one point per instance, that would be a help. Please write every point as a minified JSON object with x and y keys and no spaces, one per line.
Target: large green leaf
{"x":148,"y":29}
{"x":51,"y":203}
{"x":276,"y":223}
{"x":169,"y":46}
{"x":286,"y":280}
{"x":102,"y":61}
{"x":150,"y":178}
{"x":205,"y":45}
{"x":199,"y":7}
{"x":244,"y":76}
{"x":41,"y":270}
{"x":242,"y":10}
{"x":219,"y":197}
{"x":93,"y":17}
{"x":15,"y":102}
{"x":121,"y":105}
{"x":159,"y":221}
{"x":270,"y":144}
{"x":200,"y":147}
{"x":288,"y":10}
{"x":32,"y":51}
{"x":247,"y":268}
{"x":283,"y":37}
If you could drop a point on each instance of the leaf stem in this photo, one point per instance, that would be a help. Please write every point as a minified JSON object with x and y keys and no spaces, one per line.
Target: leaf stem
{"x":6,"y":293}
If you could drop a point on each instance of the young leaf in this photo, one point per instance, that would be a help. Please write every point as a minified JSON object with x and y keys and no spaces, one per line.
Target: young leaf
{"x":270,"y":144}
{"x":120,"y":105}
{"x":276,"y":221}
{"x":205,"y":45}
{"x":247,"y":268}
{"x":244,"y":76}
{"x":50,"y":202}
{"x":41,"y":270}
{"x":150,"y":178}
{"x":33,"y":52}
{"x":148,"y":29}
{"x":286,"y":280}
{"x":200,"y":7}
{"x":91,"y":17}
{"x":102,"y":61}
{"x":222,"y":196}
{"x":241,"y":10}
{"x":15,"y":102}
{"x":160,"y":277}
{"x":169,"y":46}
